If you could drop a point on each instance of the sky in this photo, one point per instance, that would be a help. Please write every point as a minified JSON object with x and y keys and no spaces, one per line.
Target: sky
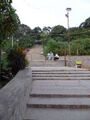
{"x":51,"y":12}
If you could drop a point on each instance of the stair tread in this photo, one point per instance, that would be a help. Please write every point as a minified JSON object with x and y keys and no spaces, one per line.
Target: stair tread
{"x":61,"y":91}
{"x":60,"y":95}
{"x":57,"y":68}
{"x":61,"y":71}
{"x":57,"y":101}
{"x":61,"y":78}
{"x":57,"y":114}
{"x":61,"y":75}
{"x":61,"y":87}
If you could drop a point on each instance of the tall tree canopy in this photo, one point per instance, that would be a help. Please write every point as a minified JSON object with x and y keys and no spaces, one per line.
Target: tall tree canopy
{"x":9,"y":20}
{"x":85,"y":24}
{"x":47,"y":30}
{"x":22,"y":31}
{"x":56,"y":30}
{"x":36,"y":32}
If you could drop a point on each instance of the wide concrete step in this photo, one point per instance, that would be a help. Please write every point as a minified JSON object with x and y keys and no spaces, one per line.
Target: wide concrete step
{"x":60,"y":78}
{"x":61,"y":91}
{"x":61,"y":103}
{"x":43,"y":69}
{"x":60,"y":95}
{"x":60,"y":72}
{"x":57,"y":114}
{"x":60,"y":75}
{"x":57,"y":68}
{"x":61,"y":87}
{"x":35,"y":64}
{"x":61,"y":83}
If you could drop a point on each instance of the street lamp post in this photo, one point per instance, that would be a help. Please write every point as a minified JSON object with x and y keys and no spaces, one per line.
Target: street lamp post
{"x":12,"y":41}
{"x":17,"y":42}
{"x":67,"y":15}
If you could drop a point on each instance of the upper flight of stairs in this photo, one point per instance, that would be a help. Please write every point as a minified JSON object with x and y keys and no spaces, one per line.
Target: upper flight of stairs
{"x":59,"y":93}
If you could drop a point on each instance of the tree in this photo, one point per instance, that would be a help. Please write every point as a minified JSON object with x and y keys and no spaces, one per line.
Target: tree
{"x":9,"y":22}
{"x":58,"y":31}
{"x":46,"y":30}
{"x":36,"y":33}
{"x":24,"y":36}
{"x":22,"y":31}
{"x":85,"y":24}
{"x":55,"y":47}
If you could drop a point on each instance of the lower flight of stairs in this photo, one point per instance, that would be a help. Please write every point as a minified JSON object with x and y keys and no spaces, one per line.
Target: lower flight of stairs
{"x":59,"y":93}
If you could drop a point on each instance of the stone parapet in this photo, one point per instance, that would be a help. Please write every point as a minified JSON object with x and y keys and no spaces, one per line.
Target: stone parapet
{"x":14,"y":96}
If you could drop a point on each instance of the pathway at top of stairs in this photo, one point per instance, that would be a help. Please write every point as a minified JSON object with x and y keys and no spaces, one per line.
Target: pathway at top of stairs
{"x":37,"y":59}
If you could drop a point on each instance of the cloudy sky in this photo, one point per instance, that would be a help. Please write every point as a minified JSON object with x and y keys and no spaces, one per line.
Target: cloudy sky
{"x":51,"y":12}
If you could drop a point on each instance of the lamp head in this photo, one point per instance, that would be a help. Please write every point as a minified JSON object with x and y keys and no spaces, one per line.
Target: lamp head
{"x":68,"y":9}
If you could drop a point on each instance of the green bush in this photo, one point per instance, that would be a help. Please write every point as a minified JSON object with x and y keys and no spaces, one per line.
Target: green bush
{"x":77,"y":47}
{"x":17,"y":60}
{"x":80,"y":47}
{"x":50,"y":46}
{"x":55,"y":47}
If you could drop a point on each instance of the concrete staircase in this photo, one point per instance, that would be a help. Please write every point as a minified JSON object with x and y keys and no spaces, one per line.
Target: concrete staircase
{"x":59,"y":93}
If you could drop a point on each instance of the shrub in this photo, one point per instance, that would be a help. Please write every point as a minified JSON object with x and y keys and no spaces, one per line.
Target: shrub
{"x":80,"y":45}
{"x":55,"y":47}
{"x":50,"y":46}
{"x":17,"y":60}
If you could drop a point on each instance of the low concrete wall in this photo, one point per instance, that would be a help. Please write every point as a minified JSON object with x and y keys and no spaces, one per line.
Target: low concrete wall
{"x":84,"y":59}
{"x":71,"y":60}
{"x":14,"y":96}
